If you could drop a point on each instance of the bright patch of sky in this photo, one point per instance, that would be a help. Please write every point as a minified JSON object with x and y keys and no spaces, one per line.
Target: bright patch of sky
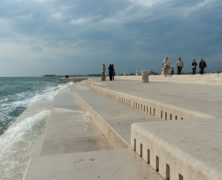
{"x":40,"y":37}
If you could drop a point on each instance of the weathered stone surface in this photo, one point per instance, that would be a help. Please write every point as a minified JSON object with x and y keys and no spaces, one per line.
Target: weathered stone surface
{"x":107,"y":165}
{"x":190,"y":148}
{"x":75,"y":148}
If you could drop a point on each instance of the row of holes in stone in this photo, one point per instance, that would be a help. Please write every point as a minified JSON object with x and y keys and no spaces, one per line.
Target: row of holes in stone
{"x":171,"y":116}
{"x":180,"y":177}
{"x":146,"y":109}
{"x":142,"y":107}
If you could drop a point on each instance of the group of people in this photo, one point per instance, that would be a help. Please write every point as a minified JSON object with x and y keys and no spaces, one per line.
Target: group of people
{"x":179,"y":64}
{"x":111,"y":70}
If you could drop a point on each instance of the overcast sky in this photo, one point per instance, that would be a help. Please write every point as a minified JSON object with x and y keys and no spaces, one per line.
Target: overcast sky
{"x":40,"y":37}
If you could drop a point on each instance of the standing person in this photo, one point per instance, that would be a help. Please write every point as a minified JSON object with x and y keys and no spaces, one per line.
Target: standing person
{"x":110,"y":72}
{"x":202,"y":65}
{"x":165,"y":66}
{"x":179,"y":65}
{"x":103,"y":72}
{"x":194,"y":66}
{"x":113,"y":72}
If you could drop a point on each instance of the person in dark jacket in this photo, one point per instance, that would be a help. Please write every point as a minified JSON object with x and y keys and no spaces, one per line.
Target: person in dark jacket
{"x":202,"y":65}
{"x":194,"y":66}
{"x":110,"y":72}
{"x":113,"y":72}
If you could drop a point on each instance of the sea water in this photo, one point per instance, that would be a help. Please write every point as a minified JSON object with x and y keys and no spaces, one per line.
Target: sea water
{"x":18,"y":132}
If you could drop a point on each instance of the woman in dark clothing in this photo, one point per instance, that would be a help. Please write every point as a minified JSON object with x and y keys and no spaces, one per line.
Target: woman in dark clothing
{"x":110,"y":72}
{"x":113,"y":72}
{"x":202,"y":65}
{"x":194,"y":66}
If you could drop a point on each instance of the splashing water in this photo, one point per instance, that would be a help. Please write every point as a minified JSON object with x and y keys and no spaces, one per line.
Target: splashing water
{"x":18,"y":138}
{"x":16,"y":94}
{"x":16,"y":145}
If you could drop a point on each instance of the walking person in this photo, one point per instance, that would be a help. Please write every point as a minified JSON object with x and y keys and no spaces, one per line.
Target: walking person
{"x":165,"y":66}
{"x":202,"y":65}
{"x":194,"y":66}
{"x":110,"y":72}
{"x":103,"y":72}
{"x":179,"y":65}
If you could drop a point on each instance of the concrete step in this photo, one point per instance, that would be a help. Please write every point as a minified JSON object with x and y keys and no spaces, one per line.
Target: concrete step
{"x":63,"y":100}
{"x":141,"y":103}
{"x":69,"y":130}
{"x":186,"y":149}
{"x":74,"y":147}
{"x":115,"y":115}
{"x":106,"y":165}
{"x":187,"y":101}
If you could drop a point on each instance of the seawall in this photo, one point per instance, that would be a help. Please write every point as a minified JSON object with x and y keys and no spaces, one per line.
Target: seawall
{"x":169,"y":130}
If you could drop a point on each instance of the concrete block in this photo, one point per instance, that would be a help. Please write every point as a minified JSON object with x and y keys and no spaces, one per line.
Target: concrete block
{"x":180,"y":148}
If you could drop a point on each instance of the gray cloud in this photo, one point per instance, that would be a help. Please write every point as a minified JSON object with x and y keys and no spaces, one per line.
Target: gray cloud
{"x":73,"y":36}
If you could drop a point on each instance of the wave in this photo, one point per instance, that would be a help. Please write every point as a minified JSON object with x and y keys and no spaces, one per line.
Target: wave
{"x":13,"y":105}
{"x":16,"y":145}
{"x":17,"y":141}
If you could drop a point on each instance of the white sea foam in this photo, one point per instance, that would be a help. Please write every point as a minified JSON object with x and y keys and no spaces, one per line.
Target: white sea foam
{"x":16,"y":143}
{"x":50,"y":93}
{"x":16,"y":103}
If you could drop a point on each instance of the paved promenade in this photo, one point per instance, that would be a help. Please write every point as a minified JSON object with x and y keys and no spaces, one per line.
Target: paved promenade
{"x":126,"y":116}
{"x":195,"y":97}
{"x":188,"y":149}
{"x":74,"y":148}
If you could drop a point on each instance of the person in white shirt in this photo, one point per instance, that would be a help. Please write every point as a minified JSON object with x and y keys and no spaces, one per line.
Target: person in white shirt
{"x":179,"y":65}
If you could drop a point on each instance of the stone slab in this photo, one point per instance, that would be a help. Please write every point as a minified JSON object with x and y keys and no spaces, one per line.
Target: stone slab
{"x":74,"y":147}
{"x":209,"y":78}
{"x":202,"y":98}
{"x":63,"y":100}
{"x":119,"y":116}
{"x":70,"y":130}
{"x":108,"y":165}
{"x":192,"y":148}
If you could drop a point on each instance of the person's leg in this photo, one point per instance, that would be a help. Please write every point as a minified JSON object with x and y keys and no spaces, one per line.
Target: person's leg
{"x":201,"y":70}
{"x":178,"y":70}
{"x":103,"y":76}
{"x":112,"y":76}
{"x":165,"y":72}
